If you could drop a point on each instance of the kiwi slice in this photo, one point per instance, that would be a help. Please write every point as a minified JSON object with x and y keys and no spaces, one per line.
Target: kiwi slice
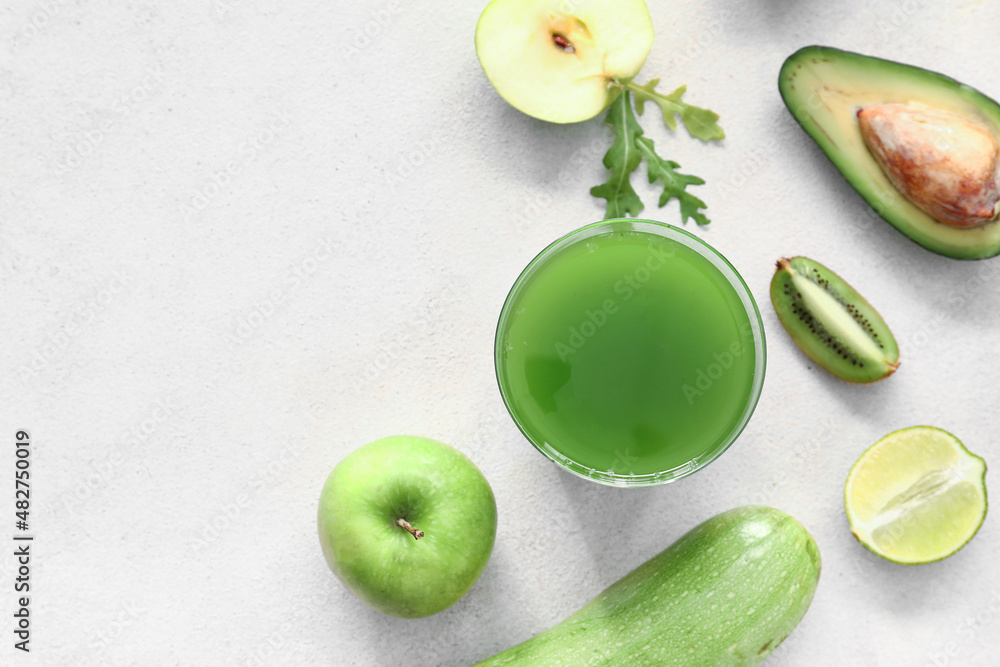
{"x":832,"y":323}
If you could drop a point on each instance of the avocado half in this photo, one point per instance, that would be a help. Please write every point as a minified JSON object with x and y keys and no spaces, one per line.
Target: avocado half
{"x":825,"y":87}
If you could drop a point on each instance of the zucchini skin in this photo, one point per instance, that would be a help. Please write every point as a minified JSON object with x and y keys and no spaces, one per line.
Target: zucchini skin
{"x":725,"y":594}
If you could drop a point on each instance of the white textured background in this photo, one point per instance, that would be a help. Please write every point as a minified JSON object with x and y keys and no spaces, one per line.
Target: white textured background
{"x":239,"y":239}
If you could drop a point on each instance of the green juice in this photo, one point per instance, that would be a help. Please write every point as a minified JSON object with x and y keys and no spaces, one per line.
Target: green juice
{"x":625,"y":354}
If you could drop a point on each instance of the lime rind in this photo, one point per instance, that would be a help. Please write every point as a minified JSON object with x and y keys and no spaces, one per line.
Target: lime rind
{"x":916,"y":496}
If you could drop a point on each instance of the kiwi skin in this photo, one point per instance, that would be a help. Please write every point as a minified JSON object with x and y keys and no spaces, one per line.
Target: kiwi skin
{"x":833,"y":324}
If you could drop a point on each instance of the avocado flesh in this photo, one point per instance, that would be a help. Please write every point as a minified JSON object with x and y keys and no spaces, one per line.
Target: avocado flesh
{"x":824,"y":88}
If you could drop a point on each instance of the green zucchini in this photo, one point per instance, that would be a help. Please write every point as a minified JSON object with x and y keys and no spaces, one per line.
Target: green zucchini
{"x":725,"y":594}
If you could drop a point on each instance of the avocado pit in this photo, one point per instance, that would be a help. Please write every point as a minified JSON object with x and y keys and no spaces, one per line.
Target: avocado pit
{"x":945,"y":164}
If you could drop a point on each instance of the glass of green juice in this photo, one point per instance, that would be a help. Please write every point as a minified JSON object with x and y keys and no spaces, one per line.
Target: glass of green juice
{"x":630,"y":352}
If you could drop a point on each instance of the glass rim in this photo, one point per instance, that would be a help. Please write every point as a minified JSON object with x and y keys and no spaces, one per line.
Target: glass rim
{"x":732,"y":276}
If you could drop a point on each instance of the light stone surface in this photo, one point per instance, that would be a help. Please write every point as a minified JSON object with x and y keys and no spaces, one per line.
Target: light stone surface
{"x":239,"y":239}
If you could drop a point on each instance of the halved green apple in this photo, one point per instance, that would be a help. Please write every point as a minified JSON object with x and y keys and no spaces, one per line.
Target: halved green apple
{"x":556,"y":59}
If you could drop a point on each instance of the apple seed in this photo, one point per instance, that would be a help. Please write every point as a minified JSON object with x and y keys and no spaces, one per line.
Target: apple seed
{"x":563,"y":43}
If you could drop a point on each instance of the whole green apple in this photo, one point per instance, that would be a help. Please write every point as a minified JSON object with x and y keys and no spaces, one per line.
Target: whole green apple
{"x":408,"y":524}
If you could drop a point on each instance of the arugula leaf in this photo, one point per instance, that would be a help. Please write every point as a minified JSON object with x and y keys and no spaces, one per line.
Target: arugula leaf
{"x":669,"y":104}
{"x":621,"y":160}
{"x":674,"y":182}
{"x":631,"y":147}
{"x":700,"y":123}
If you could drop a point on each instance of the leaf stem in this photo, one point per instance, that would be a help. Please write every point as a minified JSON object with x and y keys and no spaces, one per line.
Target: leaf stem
{"x":646,"y":92}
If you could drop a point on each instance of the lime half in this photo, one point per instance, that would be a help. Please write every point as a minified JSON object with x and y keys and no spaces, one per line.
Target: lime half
{"x":916,"y":496}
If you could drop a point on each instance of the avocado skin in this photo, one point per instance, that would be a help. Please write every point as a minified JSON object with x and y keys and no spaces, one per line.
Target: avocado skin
{"x":826,"y":120}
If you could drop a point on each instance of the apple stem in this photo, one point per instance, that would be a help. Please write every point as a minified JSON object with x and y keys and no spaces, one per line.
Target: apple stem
{"x":404,"y":524}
